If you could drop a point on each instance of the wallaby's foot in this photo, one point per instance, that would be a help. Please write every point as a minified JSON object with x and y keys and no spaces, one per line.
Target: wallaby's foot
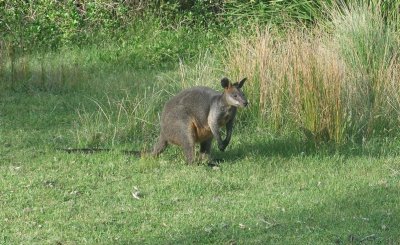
{"x":159,"y":146}
{"x":215,"y":162}
{"x":205,"y":149}
{"x":222,"y":146}
{"x":204,"y":157}
{"x":188,"y":150}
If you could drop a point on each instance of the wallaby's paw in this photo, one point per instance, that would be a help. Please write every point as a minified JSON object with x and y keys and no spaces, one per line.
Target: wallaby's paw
{"x":212,"y":164}
{"x":215,"y":162}
{"x":218,"y":160}
{"x":222,"y":147}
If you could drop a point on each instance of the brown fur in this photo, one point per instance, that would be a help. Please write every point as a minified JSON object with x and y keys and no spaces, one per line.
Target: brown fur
{"x":195,"y":116}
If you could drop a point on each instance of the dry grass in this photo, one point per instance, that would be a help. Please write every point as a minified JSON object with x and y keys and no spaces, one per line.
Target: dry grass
{"x":336,"y":85}
{"x":297,"y":80}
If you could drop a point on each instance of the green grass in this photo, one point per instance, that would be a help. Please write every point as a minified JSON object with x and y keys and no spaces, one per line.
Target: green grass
{"x":275,"y":185}
{"x":269,"y":189}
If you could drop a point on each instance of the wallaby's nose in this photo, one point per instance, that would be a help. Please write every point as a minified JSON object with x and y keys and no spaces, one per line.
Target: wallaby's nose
{"x":245,"y":103}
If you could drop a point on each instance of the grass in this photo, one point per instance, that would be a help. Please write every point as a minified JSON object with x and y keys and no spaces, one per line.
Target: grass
{"x":276,"y":184}
{"x":270,"y":189}
{"x":338,"y":78}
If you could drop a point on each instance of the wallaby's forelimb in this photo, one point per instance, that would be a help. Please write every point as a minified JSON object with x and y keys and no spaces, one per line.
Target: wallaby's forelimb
{"x":222,"y":144}
{"x":217,"y":135}
{"x":229,"y":129}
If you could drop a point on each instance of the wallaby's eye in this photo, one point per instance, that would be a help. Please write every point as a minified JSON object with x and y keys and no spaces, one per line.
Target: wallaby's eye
{"x":235,"y":96}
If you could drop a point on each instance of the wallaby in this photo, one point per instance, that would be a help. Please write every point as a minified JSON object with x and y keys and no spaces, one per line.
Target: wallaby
{"x":195,"y":115}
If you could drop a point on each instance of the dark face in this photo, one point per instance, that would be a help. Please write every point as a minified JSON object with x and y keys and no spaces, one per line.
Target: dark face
{"x":234,"y":95}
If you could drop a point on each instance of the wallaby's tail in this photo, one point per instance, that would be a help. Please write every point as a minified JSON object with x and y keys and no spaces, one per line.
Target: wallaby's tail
{"x":96,"y":150}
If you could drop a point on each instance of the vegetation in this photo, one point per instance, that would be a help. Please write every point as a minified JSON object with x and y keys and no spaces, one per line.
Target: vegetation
{"x":342,"y":80}
{"x":314,"y":159}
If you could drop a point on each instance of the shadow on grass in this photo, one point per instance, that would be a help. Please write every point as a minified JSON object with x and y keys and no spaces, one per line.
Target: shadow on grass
{"x":367,"y":216}
{"x":288,"y":147}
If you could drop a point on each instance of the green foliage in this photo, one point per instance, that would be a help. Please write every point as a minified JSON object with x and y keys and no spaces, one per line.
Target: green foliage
{"x":51,"y":24}
{"x":157,"y":47}
{"x":283,"y":13}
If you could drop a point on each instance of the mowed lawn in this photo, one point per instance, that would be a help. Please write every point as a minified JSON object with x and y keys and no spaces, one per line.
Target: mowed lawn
{"x":268,"y":190}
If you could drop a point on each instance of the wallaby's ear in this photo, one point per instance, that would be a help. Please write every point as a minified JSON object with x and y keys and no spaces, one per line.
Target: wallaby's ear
{"x":242,"y":82}
{"x":225,"y":82}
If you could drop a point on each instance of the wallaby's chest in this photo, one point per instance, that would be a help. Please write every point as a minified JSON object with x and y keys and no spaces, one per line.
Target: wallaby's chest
{"x":225,"y":115}
{"x":202,"y":131}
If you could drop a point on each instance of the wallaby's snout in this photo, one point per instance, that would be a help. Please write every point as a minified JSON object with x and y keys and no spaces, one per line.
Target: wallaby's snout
{"x":233,"y":93}
{"x":241,"y":101}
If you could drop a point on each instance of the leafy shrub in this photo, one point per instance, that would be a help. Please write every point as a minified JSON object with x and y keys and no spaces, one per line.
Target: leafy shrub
{"x":51,"y":24}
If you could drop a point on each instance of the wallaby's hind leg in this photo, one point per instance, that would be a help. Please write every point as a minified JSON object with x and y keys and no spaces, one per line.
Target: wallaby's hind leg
{"x":187,"y":142}
{"x":205,"y":149}
{"x":188,"y":150}
{"x":159,"y":146}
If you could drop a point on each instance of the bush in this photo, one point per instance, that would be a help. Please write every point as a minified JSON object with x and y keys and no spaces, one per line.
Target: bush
{"x":51,"y":24}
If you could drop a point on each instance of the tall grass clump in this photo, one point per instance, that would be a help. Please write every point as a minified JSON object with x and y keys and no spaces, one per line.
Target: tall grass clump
{"x":133,"y":117}
{"x":338,"y":82}
{"x":370,"y":47}
{"x":296,"y":81}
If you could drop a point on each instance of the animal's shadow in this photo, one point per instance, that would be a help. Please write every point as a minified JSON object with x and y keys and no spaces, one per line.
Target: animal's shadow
{"x":295,"y":147}
{"x":265,"y":148}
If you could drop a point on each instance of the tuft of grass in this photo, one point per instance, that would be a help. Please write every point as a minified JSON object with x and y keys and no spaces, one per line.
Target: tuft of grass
{"x":131,"y":118}
{"x":296,"y":80}
{"x":335,"y":84}
{"x":370,"y":47}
